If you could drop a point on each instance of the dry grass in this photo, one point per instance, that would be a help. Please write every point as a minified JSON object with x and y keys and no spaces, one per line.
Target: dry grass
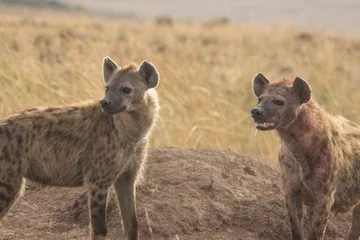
{"x":206,"y":72}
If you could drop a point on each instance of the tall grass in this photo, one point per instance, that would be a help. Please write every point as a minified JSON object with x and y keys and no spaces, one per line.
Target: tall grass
{"x":206,"y":72}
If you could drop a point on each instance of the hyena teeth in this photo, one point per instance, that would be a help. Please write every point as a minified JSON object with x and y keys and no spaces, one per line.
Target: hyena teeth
{"x":266,"y":124}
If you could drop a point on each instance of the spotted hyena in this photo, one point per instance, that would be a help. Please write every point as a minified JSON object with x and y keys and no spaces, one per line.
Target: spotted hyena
{"x":92,"y":144}
{"x":319,"y":154}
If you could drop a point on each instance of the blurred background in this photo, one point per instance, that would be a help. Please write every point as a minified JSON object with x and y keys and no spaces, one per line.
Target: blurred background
{"x":339,"y":15}
{"x":207,"y":53}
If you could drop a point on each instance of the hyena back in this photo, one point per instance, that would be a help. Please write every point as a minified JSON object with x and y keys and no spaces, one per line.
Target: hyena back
{"x":88,"y":144}
{"x":319,"y":155}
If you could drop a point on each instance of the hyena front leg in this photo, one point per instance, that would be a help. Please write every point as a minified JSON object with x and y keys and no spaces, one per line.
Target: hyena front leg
{"x":97,"y":200}
{"x":321,"y":211}
{"x":290,"y":182}
{"x":125,"y":188}
{"x":354,"y":233}
{"x":125,"y":192}
{"x":295,"y":212}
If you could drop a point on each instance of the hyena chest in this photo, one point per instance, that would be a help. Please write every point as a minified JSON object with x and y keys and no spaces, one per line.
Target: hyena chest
{"x":303,"y":177}
{"x":123,"y":161}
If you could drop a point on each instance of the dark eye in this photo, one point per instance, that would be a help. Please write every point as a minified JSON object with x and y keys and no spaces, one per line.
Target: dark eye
{"x":259,"y":100}
{"x":278,"y":102}
{"x":126,"y":90}
{"x":106,"y":89}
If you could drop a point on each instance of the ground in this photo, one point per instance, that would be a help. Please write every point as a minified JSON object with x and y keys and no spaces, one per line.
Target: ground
{"x":190,"y":194}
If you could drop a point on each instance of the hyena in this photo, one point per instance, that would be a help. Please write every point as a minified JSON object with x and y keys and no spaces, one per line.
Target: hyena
{"x":94,"y":144}
{"x":319,"y":155}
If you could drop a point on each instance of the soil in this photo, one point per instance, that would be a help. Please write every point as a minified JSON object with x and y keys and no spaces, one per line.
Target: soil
{"x":187,"y":194}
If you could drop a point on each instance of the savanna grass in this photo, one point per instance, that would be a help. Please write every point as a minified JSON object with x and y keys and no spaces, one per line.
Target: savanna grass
{"x":206,"y":72}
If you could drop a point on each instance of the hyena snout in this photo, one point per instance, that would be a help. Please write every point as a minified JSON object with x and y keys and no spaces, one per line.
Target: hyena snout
{"x":112,"y":107}
{"x":262,"y":120}
{"x":105,"y":102}
{"x":255,"y":112}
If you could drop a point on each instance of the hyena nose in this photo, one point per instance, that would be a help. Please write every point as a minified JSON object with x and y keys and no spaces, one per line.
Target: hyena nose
{"x":256,"y":111}
{"x":105,"y":102}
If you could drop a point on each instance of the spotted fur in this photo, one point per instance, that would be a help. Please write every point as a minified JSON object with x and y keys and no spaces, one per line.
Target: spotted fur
{"x":319,"y":155}
{"x":85,"y":145}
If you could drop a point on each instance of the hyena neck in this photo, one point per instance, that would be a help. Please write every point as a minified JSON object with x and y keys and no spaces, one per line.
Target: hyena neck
{"x":136,"y":125}
{"x":307,"y":130}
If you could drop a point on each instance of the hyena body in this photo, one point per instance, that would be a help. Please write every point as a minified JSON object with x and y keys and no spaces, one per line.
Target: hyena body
{"x":319,"y":155}
{"x":85,"y":145}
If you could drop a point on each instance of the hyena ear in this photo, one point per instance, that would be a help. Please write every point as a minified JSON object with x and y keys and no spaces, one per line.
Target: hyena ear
{"x":259,"y":84}
{"x":302,"y":88}
{"x":109,"y":67}
{"x":149,"y":73}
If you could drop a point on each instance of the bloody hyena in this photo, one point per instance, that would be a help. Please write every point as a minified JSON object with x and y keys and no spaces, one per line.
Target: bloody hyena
{"x":89,"y":144}
{"x":319,"y":155}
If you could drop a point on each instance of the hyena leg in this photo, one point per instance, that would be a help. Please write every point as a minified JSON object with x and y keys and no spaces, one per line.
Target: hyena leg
{"x":354,"y":233}
{"x":125,"y":188}
{"x":320,"y":216}
{"x":295,"y":213}
{"x":10,"y":189}
{"x":290,"y":183}
{"x":125,"y":192}
{"x":97,"y":211}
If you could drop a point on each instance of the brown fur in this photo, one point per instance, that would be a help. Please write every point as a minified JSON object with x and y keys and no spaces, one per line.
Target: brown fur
{"x":83,"y":145}
{"x":319,"y":155}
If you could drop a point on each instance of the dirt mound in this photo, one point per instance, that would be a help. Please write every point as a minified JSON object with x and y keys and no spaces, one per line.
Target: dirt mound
{"x":186,"y":194}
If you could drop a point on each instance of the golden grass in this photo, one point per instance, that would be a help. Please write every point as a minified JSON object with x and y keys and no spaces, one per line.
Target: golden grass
{"x":206,"y":72}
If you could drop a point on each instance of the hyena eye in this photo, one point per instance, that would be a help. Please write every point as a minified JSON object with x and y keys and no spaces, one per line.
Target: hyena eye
{"x":278,"y":102}
{"x":106,"y":89}
{"x":259,"y":100}
{"x":126,"y":90}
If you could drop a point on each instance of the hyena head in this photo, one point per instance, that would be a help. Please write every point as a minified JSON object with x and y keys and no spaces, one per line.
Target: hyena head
{"x":278,"y":103}
{"x":126,"y":88}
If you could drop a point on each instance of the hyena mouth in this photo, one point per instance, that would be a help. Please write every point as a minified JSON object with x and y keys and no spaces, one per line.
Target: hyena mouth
{"x":112,"y":111}
{"x":265,"y":125}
